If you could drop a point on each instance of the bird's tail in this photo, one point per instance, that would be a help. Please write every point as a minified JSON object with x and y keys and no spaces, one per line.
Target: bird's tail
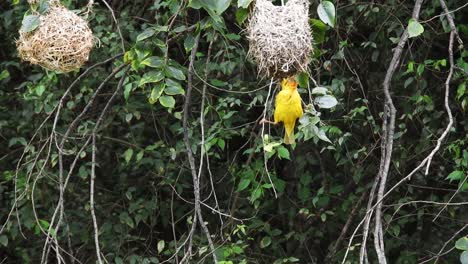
{"x":289,"y":133}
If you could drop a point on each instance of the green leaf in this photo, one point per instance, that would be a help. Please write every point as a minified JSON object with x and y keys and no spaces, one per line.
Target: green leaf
{"x":161,"y":245}
{"x":283,"y":153}
{"x":265,"y":242}
{"x":221,"y":143}
{"x":126,"y":219}
{"x":189,"y":42}
{"x":318,"y":31}
{"x":173,"y":88}
{"x":321,"y":134}
{"x":462,"y":243}
{"x":44,"y":223}
{"x":20,"y":140}
{"x":320,"y":90}
{"x":303,"y":79}
{"x":215,"y":6}
{"x":414,"y":28}
{"x":195,"y":4}
{"x":420,"y":69}
{"x":455,"y":176}
{"x":4,"y":240}
{"x":43,"y":6}
{"x":241,"y":15}
{"x":30,"y":23}
{"x":40,"y":89}
{"x":151,"y":77}
{"x":326,"y":101}
{"x":243,"y":184}
{"x":140,"y":154}
{"x":323,"y":217}
{"x":127,"y":90}
{"x":243,"y":3}
{"x":147,"y":33}
{"x":269,"y":147}
{"x":460,"y":90}
{"x":156,"y":92}
{"x":153,"y":62}
{"x":173,"y":72}
{"x":326,"y":13}
{"x":257,"y":193}
{"x":128,"y":155}
{"x":82,"y":172}
{"x":4,"y":74}
{"x":464,"y":257}
{"x":167,"y":101}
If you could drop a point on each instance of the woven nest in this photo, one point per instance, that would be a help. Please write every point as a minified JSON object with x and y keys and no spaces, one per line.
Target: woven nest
{"x":62,"y":42}
{"x":280,"y":37}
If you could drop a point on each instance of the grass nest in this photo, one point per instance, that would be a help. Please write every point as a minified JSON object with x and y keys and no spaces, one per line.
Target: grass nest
{"x":280,"y":38}
{"x":61,"y":41}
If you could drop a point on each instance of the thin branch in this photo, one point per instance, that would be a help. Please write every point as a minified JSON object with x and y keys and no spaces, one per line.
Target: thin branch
{"x":387,"y":140}
{"x":91,"y":199}
{"x":116,"y":24}
{"x":57,"y":108}
{"x":453,"y":32}
{"x":387,"y":144}
{"x":93,"y":164}
{"x":367,"y":218}
{"x":196,"y":182}
{"x":265,"y":156}
{"x":340,"y":239}
{"x":440,"y":253}
{"x":202,"y":128}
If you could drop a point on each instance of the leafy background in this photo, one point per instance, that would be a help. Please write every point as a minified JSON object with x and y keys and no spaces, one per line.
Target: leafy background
{"x":143,"y":186}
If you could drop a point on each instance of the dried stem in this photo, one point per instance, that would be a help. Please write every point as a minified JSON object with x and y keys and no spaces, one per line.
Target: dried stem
{"x":387,"y":146}
{"x":196,"y":181}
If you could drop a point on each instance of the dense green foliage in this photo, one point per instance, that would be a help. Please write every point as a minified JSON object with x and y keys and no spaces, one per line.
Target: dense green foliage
{"x":143,"y":187}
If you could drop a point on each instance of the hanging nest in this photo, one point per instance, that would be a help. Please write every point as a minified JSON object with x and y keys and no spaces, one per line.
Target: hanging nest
{"x":61,"y":42}
{"x":280,"y":37}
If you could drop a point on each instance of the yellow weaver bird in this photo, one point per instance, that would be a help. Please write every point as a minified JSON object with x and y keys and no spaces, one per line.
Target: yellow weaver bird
{"x":288,"y":108}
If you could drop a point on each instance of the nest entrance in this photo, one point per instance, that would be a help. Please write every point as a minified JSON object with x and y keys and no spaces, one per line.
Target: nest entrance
{"x":280,"y":39}
{"x":62,"y":41}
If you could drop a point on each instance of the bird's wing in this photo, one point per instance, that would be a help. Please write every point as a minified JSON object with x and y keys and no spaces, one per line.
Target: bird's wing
{"x":282,"y":106}
{"x":296,"y":105}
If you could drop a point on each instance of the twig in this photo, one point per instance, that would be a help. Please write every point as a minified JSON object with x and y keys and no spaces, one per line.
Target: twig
{"x":367,"y":218}
{"x":60,"y":205}
{"x":439,"y":254}
{"x":338,"y":242}
{"x":446,"y":11}
{"x":62,"y":187}
{"x":116,"y":24}
{"x":451,"y":198}
{"x":202,"y":128}
{"x":82,"y":75}
{"x":91,"y":199}
{"x":196,"y":182}
{"x":387,"y":141}
{"x":265,"y":156}
{"x":453,"y":32}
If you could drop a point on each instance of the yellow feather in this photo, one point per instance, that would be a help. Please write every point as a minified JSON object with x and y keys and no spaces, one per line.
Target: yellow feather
{"x":288,"y":108}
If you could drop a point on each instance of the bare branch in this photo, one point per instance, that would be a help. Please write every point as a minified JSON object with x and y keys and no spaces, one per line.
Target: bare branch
{"x":195,"y":178}
{"x":387,"y":144}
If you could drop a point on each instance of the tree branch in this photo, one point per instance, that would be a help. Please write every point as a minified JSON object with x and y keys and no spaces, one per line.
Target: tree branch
{"x":195,"y":178}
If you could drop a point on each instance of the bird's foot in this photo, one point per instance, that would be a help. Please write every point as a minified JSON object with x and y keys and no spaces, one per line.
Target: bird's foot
{"x":266,"y":121}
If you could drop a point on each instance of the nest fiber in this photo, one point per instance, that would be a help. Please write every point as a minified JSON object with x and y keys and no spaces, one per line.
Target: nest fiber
{"x":62,"y":41}
{"x":280,"y":37}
